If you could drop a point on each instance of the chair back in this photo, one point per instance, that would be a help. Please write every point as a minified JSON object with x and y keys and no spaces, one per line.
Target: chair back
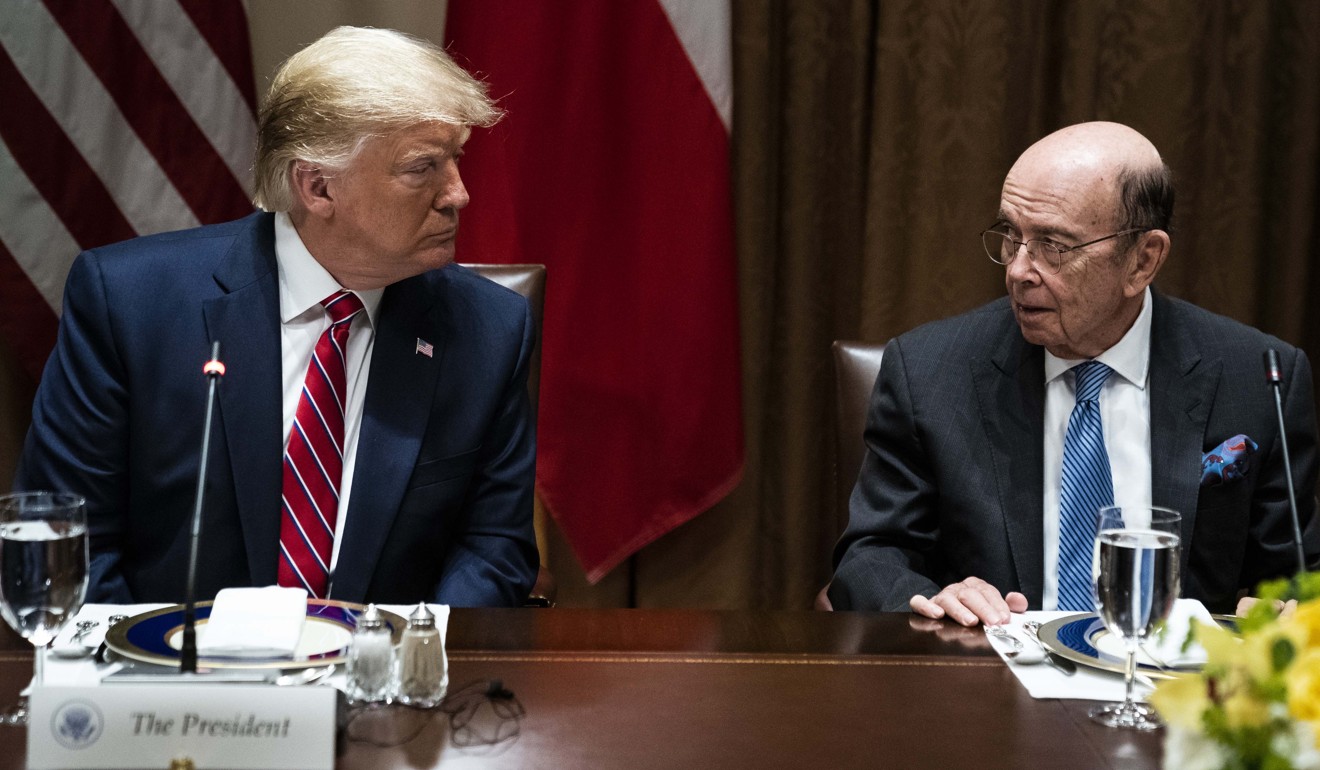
{"x":856,"y":365}
{"x":529,"y":281}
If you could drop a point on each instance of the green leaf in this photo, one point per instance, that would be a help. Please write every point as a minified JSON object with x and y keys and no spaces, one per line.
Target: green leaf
{"x":1282,"y":653}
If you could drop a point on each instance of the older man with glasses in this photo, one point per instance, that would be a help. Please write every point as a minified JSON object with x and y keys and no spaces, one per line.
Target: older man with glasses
{"x":994,"y":437}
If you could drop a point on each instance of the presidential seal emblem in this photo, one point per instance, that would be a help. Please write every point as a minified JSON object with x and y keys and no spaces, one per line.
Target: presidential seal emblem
{"x":76,"y":724}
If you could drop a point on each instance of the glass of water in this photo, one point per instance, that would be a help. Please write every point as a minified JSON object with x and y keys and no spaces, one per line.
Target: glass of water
{"x":43,"y":569}
{"x":1136,"y":583}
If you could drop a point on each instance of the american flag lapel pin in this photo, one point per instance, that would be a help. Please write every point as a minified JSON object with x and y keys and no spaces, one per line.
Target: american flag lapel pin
{"x":425,"y":348}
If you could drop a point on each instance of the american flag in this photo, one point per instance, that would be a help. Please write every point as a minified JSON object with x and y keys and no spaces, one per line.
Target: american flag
{"x":425,"y":348}
{"x":121,"y":118}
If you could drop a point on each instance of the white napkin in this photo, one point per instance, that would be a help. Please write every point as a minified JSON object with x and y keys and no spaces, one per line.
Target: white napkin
{"x":1166,"y":647}
{"x":1044,"y":681}
{"x":254,"y":622}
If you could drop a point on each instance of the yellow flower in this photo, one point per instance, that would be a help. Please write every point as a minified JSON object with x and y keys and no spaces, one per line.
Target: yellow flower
{"x":1266,"y":685}
{"x":1304,"y":686}
{"x":1241,"y":659}
{"x":1243,"y":709}
{"x":1222,"y":647}
{"x":1305,"y":623}
{"x":1181,"y":701}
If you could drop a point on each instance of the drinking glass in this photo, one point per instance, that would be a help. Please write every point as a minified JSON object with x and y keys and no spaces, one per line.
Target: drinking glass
{"x":43,"y":570}
{"x":1136,"y":583}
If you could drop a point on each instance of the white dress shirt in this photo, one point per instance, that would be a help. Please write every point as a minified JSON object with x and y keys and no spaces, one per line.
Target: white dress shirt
{"x":1125,"y":415}
{"x":303,"y":284}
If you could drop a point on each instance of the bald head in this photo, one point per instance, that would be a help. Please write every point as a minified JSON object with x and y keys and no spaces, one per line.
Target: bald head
{"x":1100,"y":147}
{"x":1110,"y":170}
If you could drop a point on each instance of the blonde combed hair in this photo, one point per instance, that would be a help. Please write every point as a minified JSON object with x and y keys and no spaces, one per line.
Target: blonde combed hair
{"x":352,"y":85}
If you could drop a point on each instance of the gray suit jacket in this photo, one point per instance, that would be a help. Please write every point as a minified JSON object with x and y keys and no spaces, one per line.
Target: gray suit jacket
{"x":952,"y":483}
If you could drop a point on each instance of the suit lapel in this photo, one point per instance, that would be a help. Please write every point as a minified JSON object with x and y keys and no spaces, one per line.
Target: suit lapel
{"x":1011,"y":394}
{"x":246,"y":321}
{"x":394,"y":418}
{"x":1182,"y":390}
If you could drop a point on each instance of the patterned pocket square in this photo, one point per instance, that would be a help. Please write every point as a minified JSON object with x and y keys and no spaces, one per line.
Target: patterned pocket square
{"x":1227,"y":462}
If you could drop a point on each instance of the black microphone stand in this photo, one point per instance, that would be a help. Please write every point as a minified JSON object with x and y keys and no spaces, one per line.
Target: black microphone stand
{"x":1273,"y":374}
{"x":188,"y":653}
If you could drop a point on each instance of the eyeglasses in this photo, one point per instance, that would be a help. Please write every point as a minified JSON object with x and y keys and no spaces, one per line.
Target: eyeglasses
{"x":1002,"y":248}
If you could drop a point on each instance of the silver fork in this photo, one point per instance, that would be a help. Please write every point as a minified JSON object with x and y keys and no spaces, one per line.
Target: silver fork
{"x":84,"y":628}
{"x":1067,"y":667}
{"x":75,"y":648}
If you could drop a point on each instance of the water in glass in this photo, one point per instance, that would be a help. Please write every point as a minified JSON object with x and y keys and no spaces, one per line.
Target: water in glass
{"x":1136,"y":582}
{"x":43,"y":576}
{"x":43,"y":570}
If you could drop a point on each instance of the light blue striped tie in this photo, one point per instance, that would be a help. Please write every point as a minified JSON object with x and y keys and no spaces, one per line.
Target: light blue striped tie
{"x":1086,"y":486}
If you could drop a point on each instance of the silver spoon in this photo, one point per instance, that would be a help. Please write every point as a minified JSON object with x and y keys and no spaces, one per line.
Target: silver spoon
{"x":75,"y":648}
{"x":304,"y":676}
{"x":1016,"y":651}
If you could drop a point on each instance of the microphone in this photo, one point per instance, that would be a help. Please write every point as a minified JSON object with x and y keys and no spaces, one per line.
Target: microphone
{"x":1274,"y":377}
{"x":213,"y":370}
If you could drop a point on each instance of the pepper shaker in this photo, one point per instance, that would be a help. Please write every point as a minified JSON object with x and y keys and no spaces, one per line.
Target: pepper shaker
{"x":423,"y":675}
{"x":369,"y":657}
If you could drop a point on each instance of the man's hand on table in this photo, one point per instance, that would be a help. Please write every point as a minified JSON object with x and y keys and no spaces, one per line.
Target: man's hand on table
{"x":1285,"y":609}
{"x":970,"y":602}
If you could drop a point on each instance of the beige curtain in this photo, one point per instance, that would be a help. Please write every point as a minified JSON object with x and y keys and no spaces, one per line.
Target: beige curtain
{"x":870,"y":141}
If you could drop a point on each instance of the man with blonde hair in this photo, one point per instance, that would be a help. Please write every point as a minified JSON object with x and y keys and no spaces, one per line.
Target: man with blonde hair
{"x":373,"y":438}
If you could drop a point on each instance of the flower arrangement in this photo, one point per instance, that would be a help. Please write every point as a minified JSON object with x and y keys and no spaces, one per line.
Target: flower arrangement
{"x":1256,"y":703}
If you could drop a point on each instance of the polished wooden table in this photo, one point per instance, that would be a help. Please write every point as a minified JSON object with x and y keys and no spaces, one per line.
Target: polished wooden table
{"x":695,"y":689}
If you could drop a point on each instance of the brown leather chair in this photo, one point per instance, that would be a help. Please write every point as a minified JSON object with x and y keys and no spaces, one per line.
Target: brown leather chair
{"x":529,"y":281}
{"x":856,"y":365}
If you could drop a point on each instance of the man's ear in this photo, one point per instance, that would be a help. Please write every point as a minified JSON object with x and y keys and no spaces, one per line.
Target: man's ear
{"x":1150,"y":252}
{"x":311,"y":188}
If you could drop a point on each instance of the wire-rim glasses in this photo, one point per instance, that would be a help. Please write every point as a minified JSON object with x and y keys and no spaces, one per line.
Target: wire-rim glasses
{"x":1002,"y":248}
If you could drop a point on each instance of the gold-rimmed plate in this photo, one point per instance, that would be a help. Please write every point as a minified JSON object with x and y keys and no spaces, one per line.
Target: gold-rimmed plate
{"x":156,"y":637}
{"x":1084,"y":639}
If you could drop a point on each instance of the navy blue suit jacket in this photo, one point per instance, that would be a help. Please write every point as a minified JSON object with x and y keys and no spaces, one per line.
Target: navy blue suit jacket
{"x":952,"y":484}
{"x":441,"y":506}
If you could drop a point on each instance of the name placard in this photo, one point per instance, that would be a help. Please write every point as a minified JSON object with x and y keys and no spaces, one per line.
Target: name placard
{"x":149,"y":725}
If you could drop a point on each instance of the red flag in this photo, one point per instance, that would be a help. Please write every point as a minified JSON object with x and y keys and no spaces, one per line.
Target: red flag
{"x":120,"y":119}
{"x":612,"y":168}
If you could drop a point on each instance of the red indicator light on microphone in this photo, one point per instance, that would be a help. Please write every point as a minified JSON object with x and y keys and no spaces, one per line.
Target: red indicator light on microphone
{"x":214,"y":367}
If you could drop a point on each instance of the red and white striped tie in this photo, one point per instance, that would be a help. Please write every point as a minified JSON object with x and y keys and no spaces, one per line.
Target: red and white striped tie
{"x":314,"y":458}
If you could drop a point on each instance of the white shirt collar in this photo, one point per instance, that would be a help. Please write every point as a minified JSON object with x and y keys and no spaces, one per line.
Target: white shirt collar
{"x":1130,"y":357}
{"x":303,"y":281}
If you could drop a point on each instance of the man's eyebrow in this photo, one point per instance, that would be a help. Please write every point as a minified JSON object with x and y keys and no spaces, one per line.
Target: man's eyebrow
{"x":1044,"y":232}
{"x":429,"y":152}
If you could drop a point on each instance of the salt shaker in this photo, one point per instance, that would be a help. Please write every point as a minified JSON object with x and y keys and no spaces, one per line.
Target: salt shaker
{"x":422,"y":672}
{"x":369,"y":657}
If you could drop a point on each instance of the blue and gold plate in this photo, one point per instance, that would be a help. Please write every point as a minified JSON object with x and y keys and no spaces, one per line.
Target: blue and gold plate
{"x":1084,"y":639}
{"x":156,"y":636}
